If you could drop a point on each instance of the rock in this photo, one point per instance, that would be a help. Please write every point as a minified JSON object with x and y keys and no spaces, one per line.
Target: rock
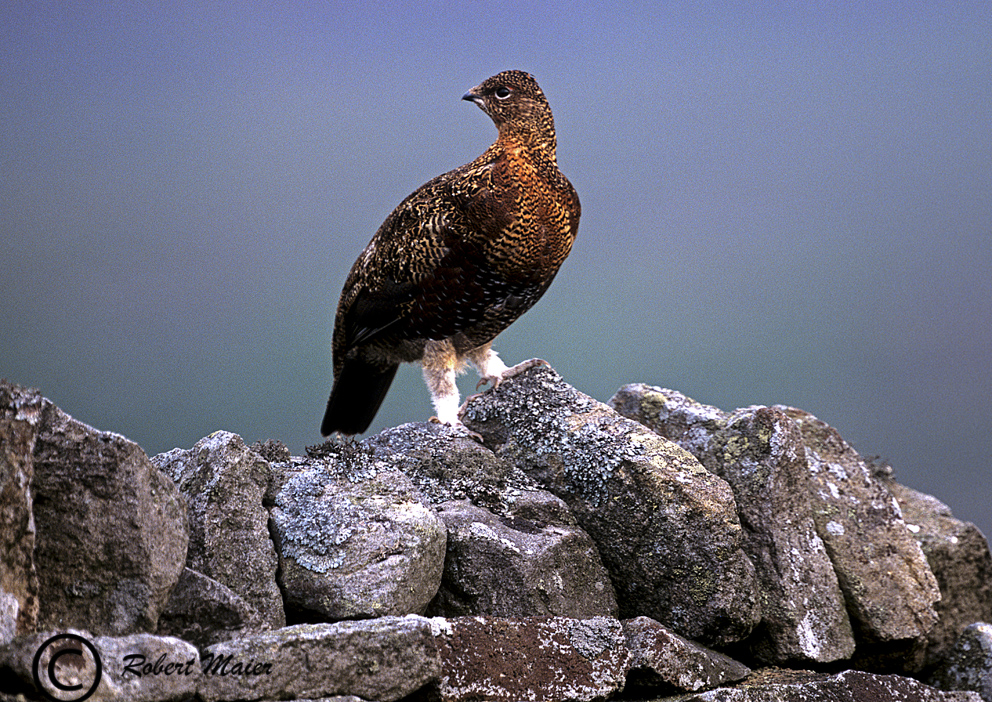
{"x":20,"y":413}
{"x":446,"y":465}
{"x":382,"y":659}
{"x":759,"y":451}
{"x":666,"y":529}
{"x":666,"y":663}
{"x":111,"y":533}
{"x":134,"y":668}
{"x":520,"y":566}
{"x":886,"y":582}
{"x":224,"y":483}
{"x":355,"y":542}
{"x":959,"y":557}
{"x":889,"y":588}
{"x":537,"y":659}
{"x":148,"y":668}
{"x":968,"y":666}
{"x":849,"y":686}
{"x":671,"y":414}
{"x":513,"y":549}
{"x":204,"y":611}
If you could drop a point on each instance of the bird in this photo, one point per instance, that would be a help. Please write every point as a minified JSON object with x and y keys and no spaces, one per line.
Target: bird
{"x":458,"y":261}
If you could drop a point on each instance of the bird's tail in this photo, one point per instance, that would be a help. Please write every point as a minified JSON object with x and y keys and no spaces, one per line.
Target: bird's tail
{"x":358,"y":391}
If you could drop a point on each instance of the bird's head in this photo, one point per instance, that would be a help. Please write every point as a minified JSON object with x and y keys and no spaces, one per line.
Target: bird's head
{"x":514,"y":100}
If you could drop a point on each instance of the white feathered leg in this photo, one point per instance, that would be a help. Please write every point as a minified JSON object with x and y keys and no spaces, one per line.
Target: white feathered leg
{"x":440,"y":366}
{"x":490,"y":366}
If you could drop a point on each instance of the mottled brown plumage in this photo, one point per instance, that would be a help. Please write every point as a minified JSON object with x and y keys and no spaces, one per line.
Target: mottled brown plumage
{"x":456,"y":263}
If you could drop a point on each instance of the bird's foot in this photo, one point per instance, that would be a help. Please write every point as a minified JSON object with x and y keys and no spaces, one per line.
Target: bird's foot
{"x":510,"y":372}
{"x":524,"y":366}
{"x":459,"y":427}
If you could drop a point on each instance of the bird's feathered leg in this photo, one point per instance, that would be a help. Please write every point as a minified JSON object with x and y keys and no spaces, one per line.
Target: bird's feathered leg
{"x":490,"y":366}
{"x":440,"y":366}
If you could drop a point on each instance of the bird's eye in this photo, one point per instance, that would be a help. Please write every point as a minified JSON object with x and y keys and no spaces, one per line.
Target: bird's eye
{"x":502,"y":93}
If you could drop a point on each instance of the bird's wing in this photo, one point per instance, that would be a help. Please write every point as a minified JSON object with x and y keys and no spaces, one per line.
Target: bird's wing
{"x":425,"y":273}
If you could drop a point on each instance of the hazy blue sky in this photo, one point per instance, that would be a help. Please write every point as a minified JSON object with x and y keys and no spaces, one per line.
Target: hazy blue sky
{"x":782,"y":203}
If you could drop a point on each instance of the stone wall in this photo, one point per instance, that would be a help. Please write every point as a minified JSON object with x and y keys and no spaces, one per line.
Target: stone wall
{"x":557,"y":548}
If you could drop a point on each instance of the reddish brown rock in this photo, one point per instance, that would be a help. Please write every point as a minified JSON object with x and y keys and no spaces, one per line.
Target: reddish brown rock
{"x":536,"y":659}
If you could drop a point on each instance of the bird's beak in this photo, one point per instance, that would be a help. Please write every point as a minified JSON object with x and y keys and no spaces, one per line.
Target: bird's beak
{"x":473,"y":96}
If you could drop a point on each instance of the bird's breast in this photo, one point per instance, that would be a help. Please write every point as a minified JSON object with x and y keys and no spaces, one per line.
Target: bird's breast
{"x":536,"y":235}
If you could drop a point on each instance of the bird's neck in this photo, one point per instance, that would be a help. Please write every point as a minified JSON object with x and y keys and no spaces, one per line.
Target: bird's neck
{"x":535,"y":145}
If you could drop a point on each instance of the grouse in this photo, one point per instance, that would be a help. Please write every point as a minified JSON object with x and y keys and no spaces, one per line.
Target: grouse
{"x":455,"y":264}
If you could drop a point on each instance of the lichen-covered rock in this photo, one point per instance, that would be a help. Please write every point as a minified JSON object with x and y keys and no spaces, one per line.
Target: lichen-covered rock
{"x":520,"y":566}
{"x":445,"y":464}
{"x":224,"y":483}
{"x":513,"y":549}
{"x":959,"y":557}
{"x":968,"y":665}
{"x":355,"y":541}
{"x":665,"y":663}
{"x":204,"y":611}
{"x":536,"y":658}
{"x":671,"y":414}
{"x":20,"y":413}
{"x":111,"y":534}
{"x":887,"y":584}
{"x":889,"y":588}
{"x":382,"y":659}
{"x":849,"y":686}
{"x":759,"y":451}
{"x":133,"y":668}
{"x":666,"y":528}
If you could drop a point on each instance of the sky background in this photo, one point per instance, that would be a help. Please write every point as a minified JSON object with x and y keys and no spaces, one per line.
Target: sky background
{"x":782,"y":203}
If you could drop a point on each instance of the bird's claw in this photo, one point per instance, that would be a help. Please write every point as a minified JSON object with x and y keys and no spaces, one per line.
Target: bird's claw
{"x":485,"y":380}
{"x":459,"y":427}
{"x":510,"y":372}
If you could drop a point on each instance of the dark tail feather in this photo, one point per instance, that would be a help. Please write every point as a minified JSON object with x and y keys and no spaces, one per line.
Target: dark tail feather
{"x":356,"y":397}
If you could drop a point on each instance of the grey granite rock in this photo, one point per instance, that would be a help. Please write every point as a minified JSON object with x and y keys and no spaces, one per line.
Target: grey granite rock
{"x":111,"y":532}
{"x":517,"y":566}
{"x":20,"y":414}
{"x":887,"y":583}
{"x":536,"y":658}
{"x":759,"y":451}
{"x":669,"y":413}
{"x":664,"y":662}
{"x":513,"y":549}
{"x":849,"y":686}
{"x":959,"y":557}
{"x":133,"y":668}
{"x":224,"y":483}
{"x":355,"y":541}
{"x":147,"y":668}
{"x":968,"y":665}
{"x":666,"y":528}
{"x":382,"y":659}
{"x":447,"y":465}
{"x":204,"y":611}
